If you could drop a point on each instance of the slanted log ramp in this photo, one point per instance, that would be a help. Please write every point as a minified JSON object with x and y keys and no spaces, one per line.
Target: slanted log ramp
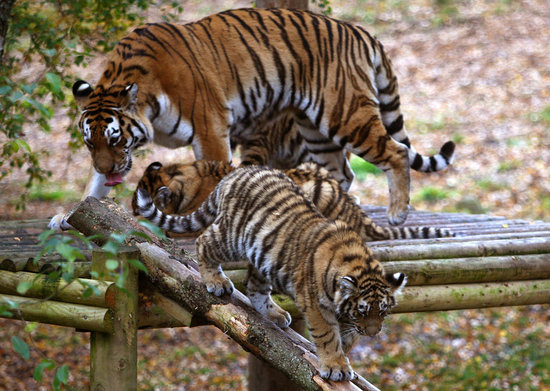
{"x":493,"y":262}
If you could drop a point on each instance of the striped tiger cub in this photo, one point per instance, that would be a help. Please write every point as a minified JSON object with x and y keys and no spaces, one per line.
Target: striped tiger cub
{"x":232,"y":78}
{"x":259,"y":214}
{"x":180,"y":189}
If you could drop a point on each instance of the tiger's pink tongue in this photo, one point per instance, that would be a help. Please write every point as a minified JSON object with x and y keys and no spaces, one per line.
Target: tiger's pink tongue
{"x":113,"y":179}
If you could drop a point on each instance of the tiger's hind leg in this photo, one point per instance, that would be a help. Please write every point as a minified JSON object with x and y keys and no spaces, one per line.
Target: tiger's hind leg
{"x":258,"y":291}
{"x":210,"y":256}
{"x":365,"y":135}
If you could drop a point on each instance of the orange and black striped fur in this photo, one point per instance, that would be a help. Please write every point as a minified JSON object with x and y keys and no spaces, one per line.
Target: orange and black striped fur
{"x":260,"y":215}
{"x":233,"y":76}
{"x":181,"y":188}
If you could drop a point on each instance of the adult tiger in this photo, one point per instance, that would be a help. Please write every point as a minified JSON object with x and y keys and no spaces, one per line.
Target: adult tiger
{"x":229,"y":75}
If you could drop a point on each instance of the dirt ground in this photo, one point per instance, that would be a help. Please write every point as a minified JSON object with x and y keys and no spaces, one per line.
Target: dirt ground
{"x":479,"y":74}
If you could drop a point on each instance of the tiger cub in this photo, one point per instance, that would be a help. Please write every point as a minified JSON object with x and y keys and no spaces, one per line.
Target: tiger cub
{"x":180,"y":189}
{"x":260,"y":215}
{"x":222,"y":80}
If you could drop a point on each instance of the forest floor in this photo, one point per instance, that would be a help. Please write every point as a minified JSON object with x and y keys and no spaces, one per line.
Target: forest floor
{"x":476,"y":72}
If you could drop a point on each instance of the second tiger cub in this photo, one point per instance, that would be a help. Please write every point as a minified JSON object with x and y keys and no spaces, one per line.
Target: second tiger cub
{"x":180,"y":189}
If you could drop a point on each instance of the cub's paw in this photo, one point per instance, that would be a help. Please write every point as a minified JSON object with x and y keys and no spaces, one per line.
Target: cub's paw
{"x":338,"y":372}
{"x":59,"y":223}
{"x":220,"y":285}
{"x":279,"y":316}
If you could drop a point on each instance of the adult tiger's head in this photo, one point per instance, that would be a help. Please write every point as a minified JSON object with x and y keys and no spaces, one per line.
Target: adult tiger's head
{"x":180,"y":188}
{"x":111,"y":126}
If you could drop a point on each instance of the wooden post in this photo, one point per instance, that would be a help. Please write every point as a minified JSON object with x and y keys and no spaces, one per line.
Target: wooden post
{"x":113,"y":357}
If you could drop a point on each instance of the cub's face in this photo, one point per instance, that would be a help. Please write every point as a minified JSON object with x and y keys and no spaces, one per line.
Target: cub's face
{"x":363,"y":304}
{"x":110,"y":126}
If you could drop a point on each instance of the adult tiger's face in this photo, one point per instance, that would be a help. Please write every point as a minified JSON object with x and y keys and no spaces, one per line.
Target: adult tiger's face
{"x":111,"y":127}
{"x":362,"y":306}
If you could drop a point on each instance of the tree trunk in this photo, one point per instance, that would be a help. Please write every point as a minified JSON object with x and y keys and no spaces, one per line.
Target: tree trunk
{"x":5,"y":11}
{"x":180,"y":281}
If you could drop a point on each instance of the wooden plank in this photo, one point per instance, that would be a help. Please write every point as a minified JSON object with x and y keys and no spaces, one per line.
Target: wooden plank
{"x":62,"y":314}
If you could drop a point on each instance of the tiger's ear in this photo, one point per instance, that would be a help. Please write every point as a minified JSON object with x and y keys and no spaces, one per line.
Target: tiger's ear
{"x":347,"y":284}
{"x":397,"y":281}
{"x":129,"y":97}
{"x":155,"y":166}
{"x":81,"y":93}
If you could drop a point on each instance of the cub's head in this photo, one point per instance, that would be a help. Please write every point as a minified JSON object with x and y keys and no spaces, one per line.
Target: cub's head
{"x":181,"y":188}
{"x":364,"y":300}
{"x":111,"y":126}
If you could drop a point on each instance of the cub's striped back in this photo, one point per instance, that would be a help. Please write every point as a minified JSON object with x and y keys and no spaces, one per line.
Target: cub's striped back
{"x":260,"y":215}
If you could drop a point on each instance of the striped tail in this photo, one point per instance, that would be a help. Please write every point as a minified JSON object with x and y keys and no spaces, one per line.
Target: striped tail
{"x":195,"y":222}
{"x":390,"y":110}
{"x":418,"y":232}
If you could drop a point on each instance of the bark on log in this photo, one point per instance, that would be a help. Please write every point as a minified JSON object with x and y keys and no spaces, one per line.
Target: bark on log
{"x":287,"y":351}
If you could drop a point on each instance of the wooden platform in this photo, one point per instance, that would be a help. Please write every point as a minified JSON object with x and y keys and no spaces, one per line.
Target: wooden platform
{"x":493,"y":261}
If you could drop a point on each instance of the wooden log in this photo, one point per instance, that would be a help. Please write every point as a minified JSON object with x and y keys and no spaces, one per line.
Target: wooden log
{"x":113,"y":356}
{"x":43,"y":288}
{"x":467,"y":249}
{"x":62,"y":314}
{"x":94,"y":217}
{"x":467,"y":296}
{"x":156,"y":310}
{"x":471,"y":270}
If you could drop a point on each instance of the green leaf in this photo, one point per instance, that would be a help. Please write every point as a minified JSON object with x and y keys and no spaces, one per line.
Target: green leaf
{"x":153,"y":228}
{"x":138,"y":265}
{"x":54,"y":81}
{"x":23,"y":144}
{"x":30,"y":327}
{"x":4,"y":90}
{"x":62,"y":373}
{"x":118,"y":238}
{"x":111,"y":264}
{"x":23,"y":287}
{"x":39,"y":106}
{"x":39,"y":369}
{"x":110,"y":247}
{"x":49,"y":52}
{"x":28,"y":88}
{"x":4,"y":313}
{"x":20,"y":347}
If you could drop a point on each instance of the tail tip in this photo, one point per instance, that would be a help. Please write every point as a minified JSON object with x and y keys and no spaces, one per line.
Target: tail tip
{"x":448,"y":151}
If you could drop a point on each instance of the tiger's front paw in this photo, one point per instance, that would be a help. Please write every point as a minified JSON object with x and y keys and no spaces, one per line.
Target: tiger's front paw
{"x":279,"y":316}
{"x":59,"y":223}
{"x":220,"y":285}
{"x":338,"y":371}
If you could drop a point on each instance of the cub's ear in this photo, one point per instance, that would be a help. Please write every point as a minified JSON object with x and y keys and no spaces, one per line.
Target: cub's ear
{"x":129,"y":97}
{"x":347,"y":284}
{"x":396,"y":280}
{"x":155,"y":166}
{"x":81,"y":93}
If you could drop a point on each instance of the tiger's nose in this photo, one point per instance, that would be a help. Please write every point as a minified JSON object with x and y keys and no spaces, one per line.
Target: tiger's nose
{"x":372,"y":330}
